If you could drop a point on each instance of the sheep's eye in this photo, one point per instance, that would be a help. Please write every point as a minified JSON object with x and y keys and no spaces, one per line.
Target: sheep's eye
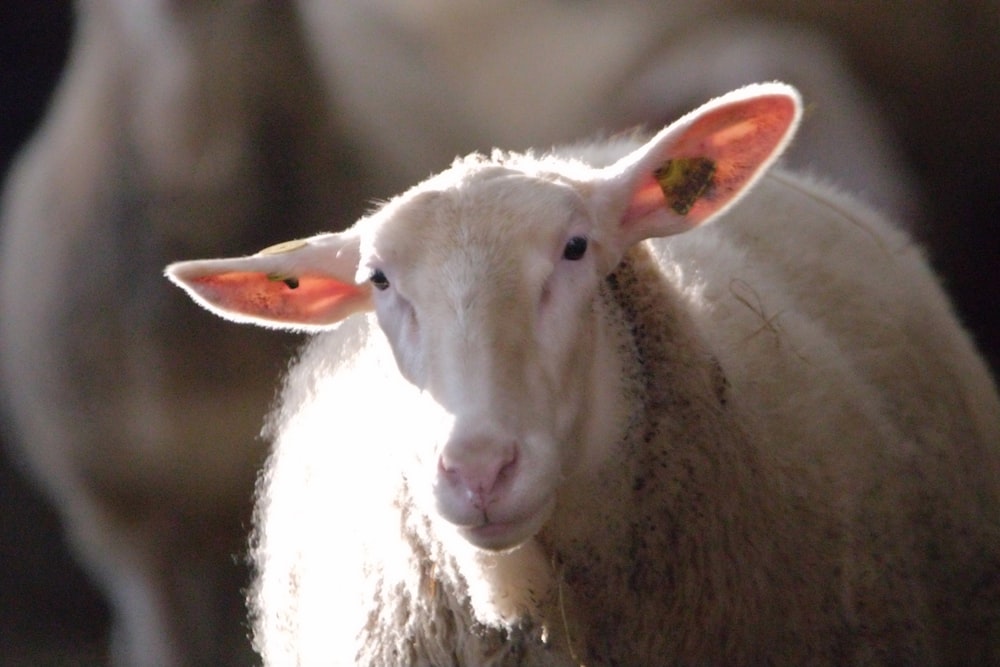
{"x":379,"y":280}
{"x":575,"y":248}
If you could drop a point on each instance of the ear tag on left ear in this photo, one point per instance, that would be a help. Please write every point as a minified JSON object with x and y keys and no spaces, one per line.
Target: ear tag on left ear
{"x":284,"y":246}
{"x":684,"y":180}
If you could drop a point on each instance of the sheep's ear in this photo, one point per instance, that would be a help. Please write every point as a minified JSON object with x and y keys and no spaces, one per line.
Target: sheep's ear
{"x":699,"y":166}
{"x":305,"y":285}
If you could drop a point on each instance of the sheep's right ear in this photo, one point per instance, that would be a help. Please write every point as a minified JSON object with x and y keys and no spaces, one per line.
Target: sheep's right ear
{"x":696,"y":168}
{"x":305,"y":285}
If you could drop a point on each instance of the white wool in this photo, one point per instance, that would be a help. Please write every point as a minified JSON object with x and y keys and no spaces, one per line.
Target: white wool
{"x":759,"y":436}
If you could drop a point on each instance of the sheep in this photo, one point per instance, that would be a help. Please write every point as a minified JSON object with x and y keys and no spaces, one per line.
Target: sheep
{"x":168,"y":134}
{"x":551,"y":416}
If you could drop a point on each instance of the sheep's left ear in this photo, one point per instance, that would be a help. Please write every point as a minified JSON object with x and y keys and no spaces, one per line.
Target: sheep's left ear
{"x":305,"y":285}
{"x":699,"y":166}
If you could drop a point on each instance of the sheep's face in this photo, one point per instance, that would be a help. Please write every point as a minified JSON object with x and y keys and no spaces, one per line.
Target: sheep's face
{"x":485,"y":280}
{"x":487,"y":292}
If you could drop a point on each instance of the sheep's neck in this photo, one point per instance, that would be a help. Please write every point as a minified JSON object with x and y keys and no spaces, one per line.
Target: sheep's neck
{"x":653,"y":543}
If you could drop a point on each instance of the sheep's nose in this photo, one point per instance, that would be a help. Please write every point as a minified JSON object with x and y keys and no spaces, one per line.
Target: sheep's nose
{"x":478,"y":468}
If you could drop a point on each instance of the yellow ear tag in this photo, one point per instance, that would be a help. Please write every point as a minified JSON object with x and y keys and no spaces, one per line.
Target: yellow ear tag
{"x":286,"y":246}
{"x":684,"y":180}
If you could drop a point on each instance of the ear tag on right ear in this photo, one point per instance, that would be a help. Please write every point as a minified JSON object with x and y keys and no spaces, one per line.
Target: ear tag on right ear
{"x":684,"y":180}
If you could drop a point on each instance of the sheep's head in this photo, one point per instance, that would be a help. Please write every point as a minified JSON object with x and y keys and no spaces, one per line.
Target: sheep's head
{"x":485,"y":281}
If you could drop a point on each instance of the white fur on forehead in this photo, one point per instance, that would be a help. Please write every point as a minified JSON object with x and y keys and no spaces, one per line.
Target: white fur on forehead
{"x":568,"y":162}
{"x":477,"y":180}
{"x":571,"y":163}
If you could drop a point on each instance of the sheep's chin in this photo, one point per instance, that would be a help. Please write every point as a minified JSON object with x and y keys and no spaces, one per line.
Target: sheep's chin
{"x":506,"y":535}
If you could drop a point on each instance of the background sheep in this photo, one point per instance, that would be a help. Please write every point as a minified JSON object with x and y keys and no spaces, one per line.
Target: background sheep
{"x":171,"y":132}
{"x":192,"y":74}
{"x":603,"y":66}
{"x":764,"y":441}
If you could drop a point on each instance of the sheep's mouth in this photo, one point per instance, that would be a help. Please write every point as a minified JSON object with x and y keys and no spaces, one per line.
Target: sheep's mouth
{"x":495,"y":535}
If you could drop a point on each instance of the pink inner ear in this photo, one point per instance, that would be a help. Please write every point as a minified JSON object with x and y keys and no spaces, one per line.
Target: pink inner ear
{"x":315,"y":300}
{"x":740,"y":138}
